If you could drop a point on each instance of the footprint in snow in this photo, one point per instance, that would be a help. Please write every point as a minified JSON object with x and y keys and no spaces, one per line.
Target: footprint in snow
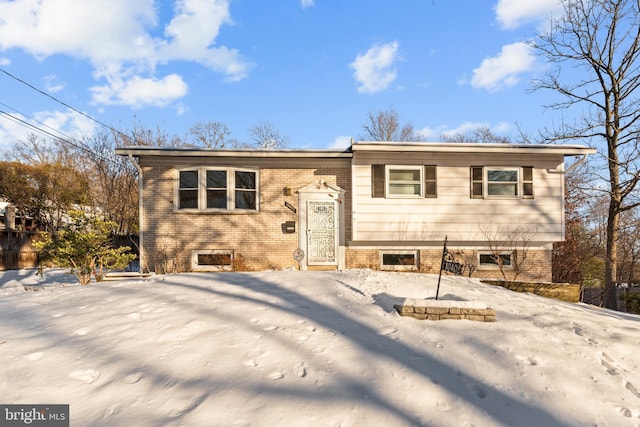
{"x":276,"y":375}
{"x":133,"y":378}
{"x":388,"y":331}
{"x":87,"y":376}
{"x":478,"y":391}
{"x":607,"y":362}
{"x":632,"y":389}
{"x":577,"y":329}
{"x":300,"y":369}
{"x":33,"y":357}
{"x":81,"y":331}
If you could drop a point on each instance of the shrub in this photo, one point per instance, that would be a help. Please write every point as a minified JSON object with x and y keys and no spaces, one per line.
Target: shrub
{"x":85,"y":247}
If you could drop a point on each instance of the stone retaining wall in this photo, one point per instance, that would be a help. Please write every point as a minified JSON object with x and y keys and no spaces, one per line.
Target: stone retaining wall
{"x":443,"y":310}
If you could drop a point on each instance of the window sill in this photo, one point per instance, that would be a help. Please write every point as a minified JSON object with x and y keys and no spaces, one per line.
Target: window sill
{"x":215,"y":212}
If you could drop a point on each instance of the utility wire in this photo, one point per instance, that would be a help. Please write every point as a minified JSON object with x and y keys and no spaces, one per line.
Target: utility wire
{"x":64,"y":103}
{"x":18,"y":120}
{"x":68,"y":140}
{"x":33,"y":119}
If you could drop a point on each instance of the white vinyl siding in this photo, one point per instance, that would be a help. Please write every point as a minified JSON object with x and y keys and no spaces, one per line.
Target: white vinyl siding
{"x":411,"y":221}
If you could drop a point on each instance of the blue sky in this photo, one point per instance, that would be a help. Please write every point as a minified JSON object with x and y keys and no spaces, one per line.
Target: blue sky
{"x":313,"y":69}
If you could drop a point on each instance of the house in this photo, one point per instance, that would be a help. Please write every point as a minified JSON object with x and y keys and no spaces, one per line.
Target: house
{"x":378,"y":205}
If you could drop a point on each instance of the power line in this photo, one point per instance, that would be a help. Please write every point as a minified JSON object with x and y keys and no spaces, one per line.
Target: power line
{"x":45,"y":132}
{"x":69,"y":139}
{"x":36,"y":121}
{"x":63,"y":103}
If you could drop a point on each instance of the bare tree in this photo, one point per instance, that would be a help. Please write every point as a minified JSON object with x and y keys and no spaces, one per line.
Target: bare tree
{"x":114,"y":181}
{"x":583,"y":244}
{"x":481,"y":134}
{"x":509,"y":248}
{"x":385,"y":126}
{"x":36,"y":150}
{"x":210,"y":134}
{"x":601,"y":38}
{"x":266,"y":136}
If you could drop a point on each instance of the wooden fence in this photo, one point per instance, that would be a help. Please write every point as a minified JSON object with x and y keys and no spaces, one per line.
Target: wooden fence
{"x":16,"y":249}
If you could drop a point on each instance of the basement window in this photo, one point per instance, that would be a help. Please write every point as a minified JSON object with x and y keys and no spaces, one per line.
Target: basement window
{"x":212,"y":260}
{"x":490,"y":261}
{"x":399,"y":261}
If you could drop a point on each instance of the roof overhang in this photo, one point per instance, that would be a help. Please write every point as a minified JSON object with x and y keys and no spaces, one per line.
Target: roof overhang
{"x":248,"y":153}
{"x":455,"y":147}
{"x":361,"y":146}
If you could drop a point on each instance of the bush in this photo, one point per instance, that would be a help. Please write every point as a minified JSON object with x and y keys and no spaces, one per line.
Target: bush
{"x":85,"y":247}
{"x":633,"y":302}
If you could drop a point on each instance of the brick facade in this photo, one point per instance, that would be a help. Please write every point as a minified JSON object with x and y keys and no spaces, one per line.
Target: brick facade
{"x":258,"y":240}
{"x":536,"y":266}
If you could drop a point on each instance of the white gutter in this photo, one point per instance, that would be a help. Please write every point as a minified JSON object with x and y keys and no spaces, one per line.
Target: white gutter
{"x":577,"y":163}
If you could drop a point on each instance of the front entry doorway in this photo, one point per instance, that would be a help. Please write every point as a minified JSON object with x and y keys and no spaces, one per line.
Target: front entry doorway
{"x":321,"y":219}
{"x":322,"y":242}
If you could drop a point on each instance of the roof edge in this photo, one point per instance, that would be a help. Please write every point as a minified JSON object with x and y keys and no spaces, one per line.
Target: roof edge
{"x":249,"y":153}
{"x":471,"y":147}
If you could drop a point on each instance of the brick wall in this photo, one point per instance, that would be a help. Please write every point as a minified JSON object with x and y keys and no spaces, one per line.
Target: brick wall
{"x":537,"y":265}
{"x":257,"y":239}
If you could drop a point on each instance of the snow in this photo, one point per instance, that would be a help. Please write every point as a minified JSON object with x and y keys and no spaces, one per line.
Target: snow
{"x":291,"y":348}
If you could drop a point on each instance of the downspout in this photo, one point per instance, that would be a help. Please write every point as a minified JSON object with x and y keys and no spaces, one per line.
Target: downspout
{"x":140,"y":214}
{"x":578,"y":163}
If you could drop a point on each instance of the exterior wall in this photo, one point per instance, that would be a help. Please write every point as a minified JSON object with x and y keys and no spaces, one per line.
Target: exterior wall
{"x":453,"y":213}
{"x":371,"y":225}
{"x":536,"y":266}
{"x":257,"y":239}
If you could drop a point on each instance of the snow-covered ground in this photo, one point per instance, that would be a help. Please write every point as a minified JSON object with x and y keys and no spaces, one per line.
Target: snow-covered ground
{"x":292,"y":348}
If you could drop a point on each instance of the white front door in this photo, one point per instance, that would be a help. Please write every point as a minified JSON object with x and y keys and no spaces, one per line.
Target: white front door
{"x":322,"y":232}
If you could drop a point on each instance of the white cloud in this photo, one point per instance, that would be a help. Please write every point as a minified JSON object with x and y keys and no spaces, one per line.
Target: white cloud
{"x":120,"y":38}
{"x":52,"y":85}
{"x":513,"y":13}
{"x":307,"y":3}
{"x":4,"y":62}
{"x":502,"y":71}
{"x":138,"y":91}
{"x":374,"y":70}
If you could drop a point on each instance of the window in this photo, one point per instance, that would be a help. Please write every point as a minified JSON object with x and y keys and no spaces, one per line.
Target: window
{"x":490,"y":260}
{"x":188,"y":191}
{"x":224,"y":189}
{"x":501,"y":182}
{"x":212,"y":260}
{"x":245,"y":190}
{"x":399,"y":260}
{"x":403,"y":181}
{"x":216,"y":189}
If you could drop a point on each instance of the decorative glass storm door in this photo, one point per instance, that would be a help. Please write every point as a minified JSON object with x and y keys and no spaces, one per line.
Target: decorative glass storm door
{"x":322,"y":222}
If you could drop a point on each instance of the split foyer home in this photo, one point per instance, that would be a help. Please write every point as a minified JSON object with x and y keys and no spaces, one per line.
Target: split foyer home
{"x":378,"y":205}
